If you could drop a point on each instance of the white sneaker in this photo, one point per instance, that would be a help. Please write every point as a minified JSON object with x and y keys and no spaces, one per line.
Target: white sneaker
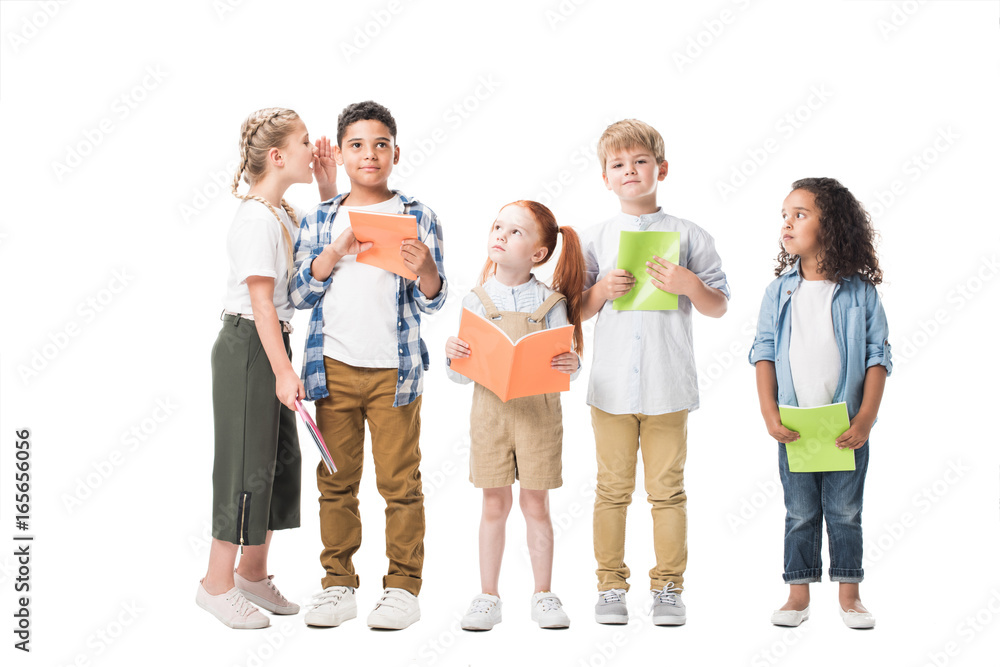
{"x":483,"y":614}
{"x":332,"y":606}
{"x":265,"y":594}
{"x":396,"y":610}
{"x":231,"y":608}
{"x":546,"y":608}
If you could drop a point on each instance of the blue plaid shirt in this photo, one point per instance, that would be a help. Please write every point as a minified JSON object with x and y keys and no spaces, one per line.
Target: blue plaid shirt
{"x":307,"y":292}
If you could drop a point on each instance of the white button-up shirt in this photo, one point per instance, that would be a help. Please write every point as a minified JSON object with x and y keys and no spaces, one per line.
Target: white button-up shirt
{"x":643,"y":361}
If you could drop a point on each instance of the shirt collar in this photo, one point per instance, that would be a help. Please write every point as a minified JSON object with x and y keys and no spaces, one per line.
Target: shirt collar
{"x":640,"y":222}
{"x":407,"y":201}
{"x":517,"y":289}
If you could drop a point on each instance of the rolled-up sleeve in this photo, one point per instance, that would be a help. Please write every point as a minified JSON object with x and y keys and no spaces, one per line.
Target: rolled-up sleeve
{"x":763,"y":342}
{"x":877,"y":349}
{"x":591,"y":264}
{"x":704,"y":262}
{"x":305,"y":290}
{"x":435,"y":243}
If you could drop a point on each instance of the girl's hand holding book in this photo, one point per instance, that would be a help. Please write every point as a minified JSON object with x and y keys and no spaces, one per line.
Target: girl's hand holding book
{"x":456,"y":348}
{"x":779,"y":432}
{"x":857,"y":435}
{"x":567,"y":362}
{"x":288,"y":387}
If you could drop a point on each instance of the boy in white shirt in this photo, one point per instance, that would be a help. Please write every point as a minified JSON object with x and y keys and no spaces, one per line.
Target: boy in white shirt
{"x":643,"y":381}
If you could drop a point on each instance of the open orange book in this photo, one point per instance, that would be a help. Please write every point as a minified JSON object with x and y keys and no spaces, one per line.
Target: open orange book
{"x":386,"y":231}
{"x":508,"y":369}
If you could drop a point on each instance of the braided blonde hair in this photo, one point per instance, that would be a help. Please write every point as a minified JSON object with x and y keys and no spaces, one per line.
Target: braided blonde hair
{"x":261,"y":131}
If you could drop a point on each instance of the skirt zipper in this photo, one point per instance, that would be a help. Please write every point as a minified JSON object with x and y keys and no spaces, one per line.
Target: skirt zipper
{"x":244,"y":507}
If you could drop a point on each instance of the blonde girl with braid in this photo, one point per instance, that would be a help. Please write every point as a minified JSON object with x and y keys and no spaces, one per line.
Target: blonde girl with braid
{"x":256,"y":478}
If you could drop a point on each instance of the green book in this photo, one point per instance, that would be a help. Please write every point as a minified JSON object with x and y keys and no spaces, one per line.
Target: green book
{"x":634,"y":250}
{"x":818,"y":429}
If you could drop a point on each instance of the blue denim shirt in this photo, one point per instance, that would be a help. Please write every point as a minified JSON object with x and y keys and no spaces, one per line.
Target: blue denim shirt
{"x":859,"y":326}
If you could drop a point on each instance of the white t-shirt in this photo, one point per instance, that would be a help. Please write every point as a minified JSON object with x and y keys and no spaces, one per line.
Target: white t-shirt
{"x":813,"y":355}
{"x":256,"y":247}
{"x":359,"y":309}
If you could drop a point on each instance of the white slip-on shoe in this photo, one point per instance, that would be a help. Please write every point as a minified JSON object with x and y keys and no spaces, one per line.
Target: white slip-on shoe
{"x":789,"y":617}
{"x":332,"y":606}
{"x":859,"y":620}
{"x":397,"y":609}
{"x":483,"y":614}
{"x":231,"y":608}
{"x":264,"y":594}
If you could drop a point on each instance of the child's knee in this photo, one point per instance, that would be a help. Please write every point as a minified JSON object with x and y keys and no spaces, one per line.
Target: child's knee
{"x":496,"y":503}
{"x":534,"y":504}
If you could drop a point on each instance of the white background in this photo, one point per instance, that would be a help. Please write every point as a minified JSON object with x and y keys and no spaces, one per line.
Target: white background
{"x":120,"y":122}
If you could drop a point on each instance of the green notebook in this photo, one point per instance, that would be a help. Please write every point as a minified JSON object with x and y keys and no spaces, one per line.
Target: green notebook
{"x":634,"y":250}
{"x":818,"y":428}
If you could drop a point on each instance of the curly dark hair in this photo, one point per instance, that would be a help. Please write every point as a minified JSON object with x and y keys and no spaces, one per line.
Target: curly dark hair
{"x":845,"y":233}
{"x":367,"y":110}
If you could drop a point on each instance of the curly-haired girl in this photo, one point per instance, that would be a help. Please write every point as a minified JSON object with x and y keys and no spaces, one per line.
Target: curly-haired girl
{"x":821,"y":339}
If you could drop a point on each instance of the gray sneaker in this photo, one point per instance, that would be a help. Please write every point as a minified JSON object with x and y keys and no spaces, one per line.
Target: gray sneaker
{"x":668,"y":608}
{"x":611,"y":607}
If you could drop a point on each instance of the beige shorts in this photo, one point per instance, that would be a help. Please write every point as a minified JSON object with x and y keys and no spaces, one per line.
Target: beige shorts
{"x":520,"y":439}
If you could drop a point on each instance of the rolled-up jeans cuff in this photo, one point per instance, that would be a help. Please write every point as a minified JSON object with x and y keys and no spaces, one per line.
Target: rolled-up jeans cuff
{"x":811,"y":576}
{"x":847,"y":576}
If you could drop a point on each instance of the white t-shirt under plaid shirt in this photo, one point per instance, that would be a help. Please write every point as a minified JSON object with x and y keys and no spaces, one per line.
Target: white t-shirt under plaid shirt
{"x":307,"y":292}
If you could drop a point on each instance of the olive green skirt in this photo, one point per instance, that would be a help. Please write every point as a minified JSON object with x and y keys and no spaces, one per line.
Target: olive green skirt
{"x":257,"y":479}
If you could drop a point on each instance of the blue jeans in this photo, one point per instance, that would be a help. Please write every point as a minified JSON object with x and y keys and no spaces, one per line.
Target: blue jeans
{"x":809,"y":498}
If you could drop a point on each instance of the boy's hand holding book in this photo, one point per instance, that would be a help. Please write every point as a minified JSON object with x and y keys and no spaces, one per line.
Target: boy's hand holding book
{"x":672,"y":278}
{"x":617,"y":282}
{"x":418,"y":259}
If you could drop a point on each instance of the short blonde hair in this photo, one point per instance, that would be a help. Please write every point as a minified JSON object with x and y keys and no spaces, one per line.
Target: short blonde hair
{"x":626,"y":134}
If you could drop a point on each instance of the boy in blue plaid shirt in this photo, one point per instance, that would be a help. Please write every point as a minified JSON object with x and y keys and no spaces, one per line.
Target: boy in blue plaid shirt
{"x":364,"y":360}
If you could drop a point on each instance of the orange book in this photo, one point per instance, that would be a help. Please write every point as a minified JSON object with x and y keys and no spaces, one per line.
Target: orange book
{"x":512,"y":369}
{"x":386,"y":231}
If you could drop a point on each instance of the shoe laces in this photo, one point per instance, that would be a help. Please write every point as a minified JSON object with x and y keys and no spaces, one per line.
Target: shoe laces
{"x":613,"y":595}
{"x":331,"y":595}
{"x":667,"y":596}
{"x":550,"y":603}
{"x":274,"y":589}
{"x":243,"y":606}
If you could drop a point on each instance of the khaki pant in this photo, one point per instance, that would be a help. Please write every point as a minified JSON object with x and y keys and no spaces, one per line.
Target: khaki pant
{"x":358,"y":395}
{"x":663,"y":441}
